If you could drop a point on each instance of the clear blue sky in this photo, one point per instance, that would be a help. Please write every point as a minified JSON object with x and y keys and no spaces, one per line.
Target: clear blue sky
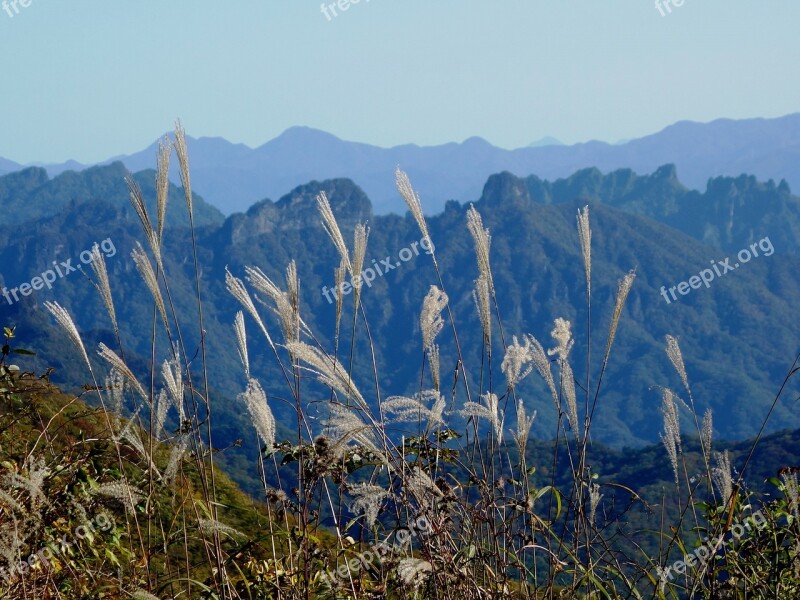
{"x":88,"y":79}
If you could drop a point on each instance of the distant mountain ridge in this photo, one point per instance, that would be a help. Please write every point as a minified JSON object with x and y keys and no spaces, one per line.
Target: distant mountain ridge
{"x":233,"y":177}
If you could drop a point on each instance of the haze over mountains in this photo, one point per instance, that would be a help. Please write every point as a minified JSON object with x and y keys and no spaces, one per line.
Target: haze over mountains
{"x":232,"y":177}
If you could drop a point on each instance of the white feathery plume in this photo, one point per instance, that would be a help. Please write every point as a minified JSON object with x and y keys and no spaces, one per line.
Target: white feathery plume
{"x":141,"y":594}
{"x":121,"y":491}
{"x":413,"y":571}
{"x":163,"y":402}
{"x":594,"y":500}
{"x":792,"y":493}
{"x":524,"y":424}
{"x":183,"y":161}
{"x":284,"y":308}
{"x":676,"y":358}
{"x":117,"y":363}
{"x":172,"y":375}
{"x":103,"y":286}
{"x":721,"y":475}
{"x":568,"y":385}
{"x":137,"y":201}
{"x":360,"y":237}
{"x":423,"y":489}
{"x":483,"y":304}
{"x":622,"y":295}
{"x":255,"y":399}
{"x":540,"y":361}
{"x":332,"y":229}
{"x":490,"y":412}
{"x":115,"y":390}
{"x":413,"y":202}
{"x":430,"y":319}
{"x":562,"y":334}
{"x":63,"y":318}
{"x":238,"y":291}
{"x":211,"y":526}
{"x":340,"y":274}
{"x":241,"y":342}
{"x":148,"y":275}
{"x":433,"y":361}
{"x":483,"y":242}
{"x":293,"y":295}
{"x":672,"y":431}
{"x":162,"y":183}
{"x":515,"y":365}
{"x":585,"y":235}
{"x":175,"y":455}
{"x":329,"y":371}
{"x":407,"y":409}
{"x":368,"y":499}
{"x":707,"y":431}
{"x":343,"y":425}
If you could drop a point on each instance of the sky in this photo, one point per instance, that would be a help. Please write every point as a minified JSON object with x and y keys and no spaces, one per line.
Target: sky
{"x":91,"y":79}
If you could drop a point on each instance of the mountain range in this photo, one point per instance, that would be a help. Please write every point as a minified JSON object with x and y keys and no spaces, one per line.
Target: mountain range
{"x":739,"y":335}
{"x":232,"y":177}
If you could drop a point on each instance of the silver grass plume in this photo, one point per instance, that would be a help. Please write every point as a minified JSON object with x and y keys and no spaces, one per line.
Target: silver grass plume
{"x":368,"y":499}
{"x":238,"y":291}
{"x":343,"y":426}
{"x":162,"y":183}
{"x":137,"y":201}
{"x":483,"y":242}
{"x":568,"y":385}
{"x":790,"y":487}
{"x":706,"y":431}
{"x":103,"y":286}
{"x":433,"y":361}
{"x":123,"y":492}
{"x":360,"y":237}
{"x":340,"y":274}
{"x":172,"y":375}
{"x":524,"y":424}
{"x":540,"y":361}
{"x":163,"y":403}
{"x":141,"y":594}
{"x":407,"y":409}
{"x":721,"y":475}
{"x":515,"y":365}
{"x":131,"y":434}
{"x":255,"y":399}
{"x":413,"y":572}
{"x":241,"y":342}
{"x":562,"y":334}
{"x":211,"y":526}
{"x":490,"y":412}
{"x":175,"y":455}
{"x":676,"y":358}
{"x":115,"y":389}
{"x":430,"y":320}
{"x":425,"y":491}
{"x":483,"y":304}
{"x":148,"y":275}
{"x":413,"y":202}
{"x":622,"y":295}
{"x":672,"y":432}
{"x":329,"y":371}
{"x":286,"y":310}
{"x":183,"y":162}
{"x":594,"y":500}
{"x":117,"y":363}
{"x":332,"y":229}
{"x":63,"y":318}
{"x":585,"y":235}
{"x":293,"y":294}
